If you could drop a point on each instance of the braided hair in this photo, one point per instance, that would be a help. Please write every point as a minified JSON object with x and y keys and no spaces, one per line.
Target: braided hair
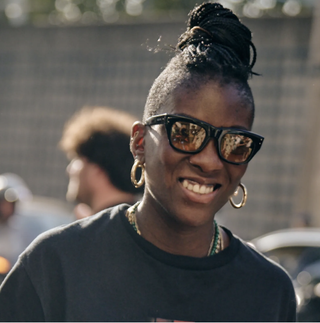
{"x":216,"y":46}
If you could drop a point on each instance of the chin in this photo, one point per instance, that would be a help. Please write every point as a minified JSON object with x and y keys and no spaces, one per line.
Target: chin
{"x":206,"y":213}
{"x":193,"y":216}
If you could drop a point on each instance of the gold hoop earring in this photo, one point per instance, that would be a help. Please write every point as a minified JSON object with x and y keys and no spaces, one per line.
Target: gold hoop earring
{"x":244,"y":197}
{"x":134,"y":168}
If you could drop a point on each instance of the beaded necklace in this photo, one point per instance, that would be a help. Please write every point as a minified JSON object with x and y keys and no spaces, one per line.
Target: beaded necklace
{"x":216,"y":244}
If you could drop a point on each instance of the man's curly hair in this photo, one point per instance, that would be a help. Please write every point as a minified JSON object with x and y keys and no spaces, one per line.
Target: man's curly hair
{"x":102,"y":135}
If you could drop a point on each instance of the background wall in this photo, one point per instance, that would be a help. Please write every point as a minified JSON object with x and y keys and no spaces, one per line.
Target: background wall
{"x":46,"y":74}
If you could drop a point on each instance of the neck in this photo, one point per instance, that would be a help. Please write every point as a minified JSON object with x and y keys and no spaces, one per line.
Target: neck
{"x":172,"y":237}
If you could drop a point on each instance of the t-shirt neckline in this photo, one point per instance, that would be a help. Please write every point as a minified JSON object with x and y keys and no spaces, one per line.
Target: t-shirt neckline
{"x":220,"y":259}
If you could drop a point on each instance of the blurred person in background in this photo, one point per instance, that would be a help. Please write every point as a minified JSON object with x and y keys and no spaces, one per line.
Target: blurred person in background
{"x":15,"y":181}
{"x":16,"y":231}
{"x":96,"y":141}
{"x":8,"y":198}
{"x":24,"y":216}
{"x":11,"y":242}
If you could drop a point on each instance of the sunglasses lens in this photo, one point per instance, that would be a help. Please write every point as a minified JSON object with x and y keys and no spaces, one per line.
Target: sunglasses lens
{"x":235,"y":147}
{"x":187,"y":136}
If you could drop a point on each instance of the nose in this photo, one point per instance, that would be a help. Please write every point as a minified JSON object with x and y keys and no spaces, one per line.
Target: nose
{"x":74,"y":167}
{"x":208,"y":159}
{"x":68,"y":168}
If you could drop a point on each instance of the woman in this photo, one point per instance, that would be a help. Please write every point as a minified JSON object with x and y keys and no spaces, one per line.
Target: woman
{"x":166,"y":258}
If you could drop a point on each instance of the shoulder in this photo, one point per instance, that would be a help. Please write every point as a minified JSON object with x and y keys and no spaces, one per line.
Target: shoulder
{"x":268,"y":277}
{"x":261,"y":264}
{"x":249,"y":261}
{"x":73,"y":237}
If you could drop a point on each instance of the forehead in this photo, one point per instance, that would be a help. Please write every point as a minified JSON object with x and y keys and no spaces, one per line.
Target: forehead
{"x":219,"y":105}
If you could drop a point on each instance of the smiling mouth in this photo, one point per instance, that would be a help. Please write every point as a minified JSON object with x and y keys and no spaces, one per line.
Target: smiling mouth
{"x":198,"y":188}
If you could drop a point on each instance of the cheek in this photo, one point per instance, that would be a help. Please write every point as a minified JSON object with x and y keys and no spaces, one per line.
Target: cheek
{"x":160,"y":160}
{"x":236,"y":173}
{"x":81,"y":175}
{"x":154,"y":147}
{"x":84,"y":176}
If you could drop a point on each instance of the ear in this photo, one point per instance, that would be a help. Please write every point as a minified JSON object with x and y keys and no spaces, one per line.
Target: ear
{"x":137,"y":142}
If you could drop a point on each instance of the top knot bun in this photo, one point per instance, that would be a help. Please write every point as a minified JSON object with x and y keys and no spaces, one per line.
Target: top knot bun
{"x":212,"y":25}
{"x":207,"y":13}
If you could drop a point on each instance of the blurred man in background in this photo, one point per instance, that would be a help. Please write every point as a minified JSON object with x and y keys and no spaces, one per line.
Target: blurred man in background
{"x":96,"y":141}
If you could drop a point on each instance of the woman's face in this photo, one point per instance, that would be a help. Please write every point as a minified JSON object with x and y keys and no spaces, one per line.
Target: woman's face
{"x":171,"y":176}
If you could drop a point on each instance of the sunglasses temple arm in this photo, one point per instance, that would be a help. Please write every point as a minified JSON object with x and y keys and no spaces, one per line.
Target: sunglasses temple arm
{"x":155,"y":120}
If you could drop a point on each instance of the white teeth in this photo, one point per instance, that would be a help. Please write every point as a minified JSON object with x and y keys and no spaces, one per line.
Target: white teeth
{"x":209,"y":189}
{"x":203,"y":189}
{"x":197,"y":188}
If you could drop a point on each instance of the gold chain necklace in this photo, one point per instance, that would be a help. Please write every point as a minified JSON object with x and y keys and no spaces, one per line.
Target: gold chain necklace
{"x":216,"y":243}
{"x":131,"y":215}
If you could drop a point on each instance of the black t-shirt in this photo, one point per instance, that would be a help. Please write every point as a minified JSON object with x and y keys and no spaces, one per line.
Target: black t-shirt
{"x":100,"y":269}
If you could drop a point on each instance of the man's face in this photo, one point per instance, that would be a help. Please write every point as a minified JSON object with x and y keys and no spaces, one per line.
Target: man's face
{"x":79,"y":179}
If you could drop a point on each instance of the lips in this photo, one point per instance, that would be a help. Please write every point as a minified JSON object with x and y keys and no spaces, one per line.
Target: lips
{"x":199,"y":188}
